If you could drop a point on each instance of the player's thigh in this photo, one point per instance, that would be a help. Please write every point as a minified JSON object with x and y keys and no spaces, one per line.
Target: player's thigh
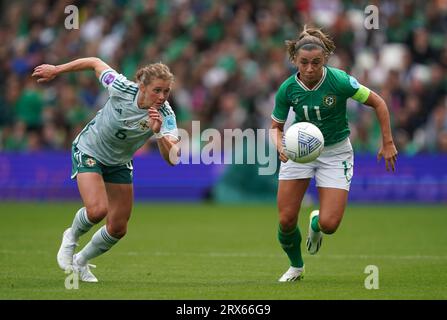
{"x":335,"y":170}
{"x":93,"y":193}
{"x":333,"y":203}
{"x":120,"y":197}
{"x":290,"y":196}
{"x":333,"y":177}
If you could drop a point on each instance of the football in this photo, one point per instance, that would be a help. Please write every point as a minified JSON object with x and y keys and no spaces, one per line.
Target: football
{"x":303,"y":142}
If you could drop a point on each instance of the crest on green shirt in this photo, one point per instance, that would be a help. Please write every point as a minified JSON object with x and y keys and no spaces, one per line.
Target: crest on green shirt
{"x":329,"y":100}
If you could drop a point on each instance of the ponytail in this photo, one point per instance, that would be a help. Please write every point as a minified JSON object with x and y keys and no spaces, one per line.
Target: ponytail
{"x":310,"y":38}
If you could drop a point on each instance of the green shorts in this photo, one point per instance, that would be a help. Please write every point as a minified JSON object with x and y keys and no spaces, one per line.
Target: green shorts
{"x":82,"y":162}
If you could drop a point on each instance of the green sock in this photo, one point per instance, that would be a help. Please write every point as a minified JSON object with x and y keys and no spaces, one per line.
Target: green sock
{"x":314,"y":224}
{"x":291,"y":244}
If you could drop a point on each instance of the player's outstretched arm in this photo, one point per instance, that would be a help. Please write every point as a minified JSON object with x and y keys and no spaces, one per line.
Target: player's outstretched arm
{"x":47,"y":72}
{"x":388,"y":150}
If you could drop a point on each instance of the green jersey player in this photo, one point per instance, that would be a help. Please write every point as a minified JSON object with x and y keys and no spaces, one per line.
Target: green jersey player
{"x":317,"y":94}
{"x":102,"y":153}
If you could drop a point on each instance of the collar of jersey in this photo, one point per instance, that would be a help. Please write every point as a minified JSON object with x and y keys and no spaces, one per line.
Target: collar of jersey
{"x":302,"y":85}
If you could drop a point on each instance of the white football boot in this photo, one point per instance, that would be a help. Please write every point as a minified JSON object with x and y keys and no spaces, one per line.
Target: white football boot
{"x":314,"y":239}
{"x":84,"y":271}
{"x":66,"y":251}
{"x":293,"y":274}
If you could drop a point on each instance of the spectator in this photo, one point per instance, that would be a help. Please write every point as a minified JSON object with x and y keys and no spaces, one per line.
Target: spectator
{"x":228,"y":58}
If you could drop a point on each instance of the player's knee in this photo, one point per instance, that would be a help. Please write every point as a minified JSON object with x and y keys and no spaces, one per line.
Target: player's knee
{"x":96,"y":212}
{"x":329,"y":226}
{"x":117,"y":230}
{"x":287,"y":222}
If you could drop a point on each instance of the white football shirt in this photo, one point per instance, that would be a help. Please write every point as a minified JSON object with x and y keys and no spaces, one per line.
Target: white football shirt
{"x":120,"y":128}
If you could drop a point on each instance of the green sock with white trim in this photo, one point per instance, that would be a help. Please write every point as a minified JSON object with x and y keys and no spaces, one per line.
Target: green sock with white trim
{"x":291,"y":244}
{"x":314,"y":224}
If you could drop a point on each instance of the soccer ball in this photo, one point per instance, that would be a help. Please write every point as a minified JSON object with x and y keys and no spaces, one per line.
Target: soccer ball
{"x":303,"y":142}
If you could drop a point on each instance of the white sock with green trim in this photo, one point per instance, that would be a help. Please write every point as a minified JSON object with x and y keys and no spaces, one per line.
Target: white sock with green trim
{"x":81,"y":224}
{"x":101,"y":242}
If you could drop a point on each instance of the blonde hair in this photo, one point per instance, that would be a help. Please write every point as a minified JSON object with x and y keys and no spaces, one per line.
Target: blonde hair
{"x":308,"y":39}
{"x":153,"y":71}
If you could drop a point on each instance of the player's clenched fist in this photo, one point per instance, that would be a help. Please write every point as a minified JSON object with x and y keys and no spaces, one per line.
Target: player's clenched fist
{"x":45,"y":72}
{"x":155,"y":120}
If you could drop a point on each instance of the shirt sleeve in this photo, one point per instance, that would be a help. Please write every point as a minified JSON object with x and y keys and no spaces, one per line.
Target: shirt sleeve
{"x":169,"y":124}
{"x":118,"y":85}
{"x":351,"y":88}
{"x":281,"y":109}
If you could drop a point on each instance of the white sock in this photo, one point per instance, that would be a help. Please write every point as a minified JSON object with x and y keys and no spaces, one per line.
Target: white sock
{"x":81,"y":224}
{"x":101,"y":242}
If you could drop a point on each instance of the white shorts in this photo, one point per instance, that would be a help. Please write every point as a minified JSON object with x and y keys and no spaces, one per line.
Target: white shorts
{"x":334,"y":168}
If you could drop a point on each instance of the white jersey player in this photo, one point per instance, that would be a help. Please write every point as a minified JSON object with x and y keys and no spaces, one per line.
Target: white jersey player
{"x":102,"y":153}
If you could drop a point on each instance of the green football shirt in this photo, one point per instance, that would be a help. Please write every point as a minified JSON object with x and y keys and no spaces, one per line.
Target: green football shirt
{"x":324,"y":105}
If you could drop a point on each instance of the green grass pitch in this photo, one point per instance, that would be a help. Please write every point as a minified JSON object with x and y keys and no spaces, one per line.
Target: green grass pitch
{"x":190,"y":251}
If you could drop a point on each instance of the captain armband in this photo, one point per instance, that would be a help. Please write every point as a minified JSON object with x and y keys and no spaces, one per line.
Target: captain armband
{"x":362,"y":94}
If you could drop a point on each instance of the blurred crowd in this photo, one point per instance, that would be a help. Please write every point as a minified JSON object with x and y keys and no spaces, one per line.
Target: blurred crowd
{"x":228,"y":58}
